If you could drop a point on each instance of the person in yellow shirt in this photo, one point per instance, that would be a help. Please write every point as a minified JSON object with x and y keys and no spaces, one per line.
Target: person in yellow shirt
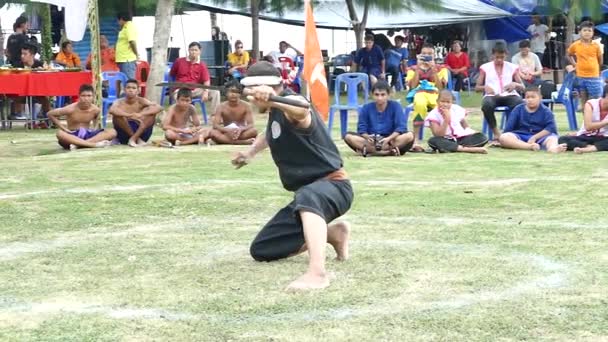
{"x":126,"y":46}
{"x":238,"y":61}
{"x":425,"y":97}
{"x":67,"y":57}
{"x":586,"y":57}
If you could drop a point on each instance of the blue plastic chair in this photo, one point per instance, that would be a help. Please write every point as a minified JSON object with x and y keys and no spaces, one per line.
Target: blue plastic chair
{"x":352,"y":81}
{"x":564,"y":97}
{"x":503,"y":121}
{"x":203,"y":108}
{"x":300,"y":65}
{"x":343,"y":60}
{"x":112,"y":77}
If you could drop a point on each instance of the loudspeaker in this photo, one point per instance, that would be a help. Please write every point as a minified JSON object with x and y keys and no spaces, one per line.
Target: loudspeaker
{"x":215,"y":52}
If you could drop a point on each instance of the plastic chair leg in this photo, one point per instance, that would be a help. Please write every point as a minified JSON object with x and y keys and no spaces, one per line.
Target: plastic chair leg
{"x":104,"y":114}
{"x":330,"y":120}
{"x":486,"y":129}
{"x":421,"y":133}
{"x":343,"y":122}
{"x":203,"y":111}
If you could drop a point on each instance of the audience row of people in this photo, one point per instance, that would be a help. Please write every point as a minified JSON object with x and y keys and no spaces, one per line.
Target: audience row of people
{"x":381,"y":127}
{"x":134,"y":117}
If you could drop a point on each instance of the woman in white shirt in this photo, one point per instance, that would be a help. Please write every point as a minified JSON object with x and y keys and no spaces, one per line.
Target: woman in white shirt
{"x":451,"y":132}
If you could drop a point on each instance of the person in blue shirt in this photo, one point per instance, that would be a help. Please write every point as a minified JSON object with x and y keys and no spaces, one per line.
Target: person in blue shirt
{"x":381,"y":126}
{"x":531,"y":126}
{"x":396,"y":60}
{"x":370,"y":60}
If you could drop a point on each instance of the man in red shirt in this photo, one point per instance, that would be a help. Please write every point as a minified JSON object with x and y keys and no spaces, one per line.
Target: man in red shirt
{"x":192,"y":70}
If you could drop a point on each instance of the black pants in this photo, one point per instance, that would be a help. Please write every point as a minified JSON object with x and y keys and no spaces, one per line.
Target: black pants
{"x":444,"y":145}
{"x":402,"y":148}
{"x":490,"y":102}
{"x":283,"y":235}
{"x":458,"y":81}
{"x":394,"y":72}
{"x":601,"y":143}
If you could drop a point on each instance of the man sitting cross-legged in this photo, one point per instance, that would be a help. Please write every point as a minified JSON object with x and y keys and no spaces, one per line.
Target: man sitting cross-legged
{"x":381,"y":126}
{"x":79,"y":117}
{"x":175,"y":122}
{"x":233,"y":120}
{"x":133,"y":116}
{"x":531,"y":126}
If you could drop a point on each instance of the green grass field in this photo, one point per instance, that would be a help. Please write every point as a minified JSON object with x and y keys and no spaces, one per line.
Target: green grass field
{"x":151,"y":244}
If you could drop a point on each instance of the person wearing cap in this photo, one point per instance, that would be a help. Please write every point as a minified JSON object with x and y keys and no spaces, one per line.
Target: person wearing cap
{"x":16,"y":41}
{"x":310,"y":166}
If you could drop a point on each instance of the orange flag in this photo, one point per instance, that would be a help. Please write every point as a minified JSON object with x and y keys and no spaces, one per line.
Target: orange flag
{"x":314,"y":69}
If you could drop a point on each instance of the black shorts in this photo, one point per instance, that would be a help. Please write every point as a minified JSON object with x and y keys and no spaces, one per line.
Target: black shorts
{"x":283,"y":235}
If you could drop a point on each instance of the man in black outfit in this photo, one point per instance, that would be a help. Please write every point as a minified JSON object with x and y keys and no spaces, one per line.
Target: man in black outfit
{"x":16,"y":41}
{"x":309,"y":165}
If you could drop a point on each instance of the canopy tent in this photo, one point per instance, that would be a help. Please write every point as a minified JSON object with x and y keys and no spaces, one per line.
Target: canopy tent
{"x":333,"y":14}
{"x":513,"y":29}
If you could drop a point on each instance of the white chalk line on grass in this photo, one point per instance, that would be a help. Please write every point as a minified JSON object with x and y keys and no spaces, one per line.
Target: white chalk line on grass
{"x":15,"y":250}
{"x":237,"y":182}
{"x":557,"y":277}
{"x":461,"y":221}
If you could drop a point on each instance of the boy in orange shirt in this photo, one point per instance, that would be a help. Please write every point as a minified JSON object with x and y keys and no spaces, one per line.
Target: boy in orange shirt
{"x":589,"y":57}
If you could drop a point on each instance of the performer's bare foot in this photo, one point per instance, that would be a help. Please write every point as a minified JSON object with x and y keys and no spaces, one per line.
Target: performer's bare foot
{"x":309,"y":281}
{"x":535,"y":147}
{"x":338,"y":235}
{"x":141,"y":142}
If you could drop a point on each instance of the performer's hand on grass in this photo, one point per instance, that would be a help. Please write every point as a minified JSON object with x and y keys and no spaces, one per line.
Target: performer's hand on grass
{"x":241,"y":159}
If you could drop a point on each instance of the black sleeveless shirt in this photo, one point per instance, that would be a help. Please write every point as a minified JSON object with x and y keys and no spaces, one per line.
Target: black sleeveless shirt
{"x":302,"y":155}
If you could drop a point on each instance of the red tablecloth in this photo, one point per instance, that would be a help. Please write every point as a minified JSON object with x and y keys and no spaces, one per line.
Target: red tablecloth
{"x":44,"y":83}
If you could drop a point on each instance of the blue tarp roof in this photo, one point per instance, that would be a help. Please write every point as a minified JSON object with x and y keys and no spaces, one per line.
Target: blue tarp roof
{"x":333,"y":14}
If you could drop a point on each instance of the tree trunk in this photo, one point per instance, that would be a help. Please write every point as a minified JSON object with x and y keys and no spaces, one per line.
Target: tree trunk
{"x":358,"y":26}
{"x":47,"y":39}
{"x":255,"y":29}
{"x":162,"y":30}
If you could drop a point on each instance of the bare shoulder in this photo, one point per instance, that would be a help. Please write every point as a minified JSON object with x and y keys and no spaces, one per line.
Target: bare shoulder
{"x":144,"y":101}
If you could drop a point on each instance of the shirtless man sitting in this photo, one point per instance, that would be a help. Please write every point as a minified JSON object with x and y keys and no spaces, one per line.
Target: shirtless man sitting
{"x":175,"y":122}
{"x":233,"y":120}
{"x":133,"y":116}
{"x":79,"y":117}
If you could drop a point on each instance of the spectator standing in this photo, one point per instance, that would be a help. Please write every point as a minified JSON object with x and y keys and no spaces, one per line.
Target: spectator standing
{"x":540,"y":34}
{"x":126,"y":46}
{"x":586,"y":57}
{"x":16,"y":41}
